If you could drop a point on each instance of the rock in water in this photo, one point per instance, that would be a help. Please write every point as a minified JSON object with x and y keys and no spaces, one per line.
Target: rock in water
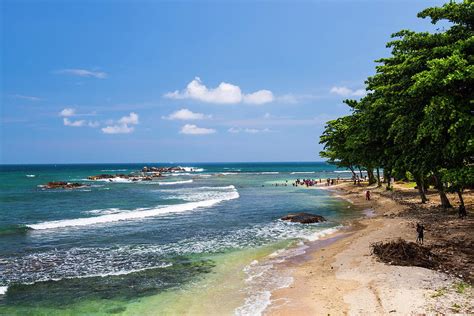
{"x":63,"y":185}
{"x":303,"y":218}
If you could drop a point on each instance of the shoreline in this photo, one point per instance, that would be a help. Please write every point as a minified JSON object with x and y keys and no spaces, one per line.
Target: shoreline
{"x":341,"y":276}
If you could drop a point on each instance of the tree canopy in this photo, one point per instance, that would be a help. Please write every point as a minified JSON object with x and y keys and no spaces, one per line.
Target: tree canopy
{"x":417,"y":115}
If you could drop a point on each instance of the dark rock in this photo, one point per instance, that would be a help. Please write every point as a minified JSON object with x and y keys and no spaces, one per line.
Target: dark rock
{"x":162,"y":169}
{"x":63,"y":185}
{"x":303,"y":218}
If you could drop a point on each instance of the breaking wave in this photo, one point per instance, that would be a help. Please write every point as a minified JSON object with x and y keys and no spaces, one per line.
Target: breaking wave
{"x":138,"y":213}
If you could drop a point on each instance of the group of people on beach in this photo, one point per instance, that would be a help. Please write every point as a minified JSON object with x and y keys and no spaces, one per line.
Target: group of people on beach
{"x":313,"y":182}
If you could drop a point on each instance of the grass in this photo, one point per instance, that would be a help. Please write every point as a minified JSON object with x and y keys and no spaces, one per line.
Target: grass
{"x":439,"y":292}
{"x":456,"y":308}
{"x":461,"y":287}
{"x":406,"y":184}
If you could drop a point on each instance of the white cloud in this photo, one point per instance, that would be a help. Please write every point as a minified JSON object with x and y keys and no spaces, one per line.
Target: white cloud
{"x":235,"y":130}
{"x":118,"y":129}
{"x":131,"y":119}
{"x":78,"y":123}
{"x":259,"y":97}
{"x":123,"y":125}
{"x":25,"y":97}
{"x":186,"y":115}
{"x":83,"y":73}
{"x":224,"y":93}
{"x":93,"y":124}
{"x":67,"y":112}
{"x":345,"y":91}
{"x":191,"y":129}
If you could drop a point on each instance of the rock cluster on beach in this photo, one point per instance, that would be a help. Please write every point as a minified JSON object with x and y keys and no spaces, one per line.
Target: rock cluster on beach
{"x":303,"y":218}
{"x":63,"y":185}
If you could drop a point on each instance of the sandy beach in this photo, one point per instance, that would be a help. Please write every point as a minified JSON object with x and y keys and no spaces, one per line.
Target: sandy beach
{"x":339,"y":276}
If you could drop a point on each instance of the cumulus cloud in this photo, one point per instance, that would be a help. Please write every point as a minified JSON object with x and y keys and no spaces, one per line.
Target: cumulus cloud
{"x":345,"y":91}
{"x":78,"y":123}
{"x":191,"y":129}
{"x":186,"y":115}
{"x":67,"y":112}
{"x":235,"y":130}
{"x":83,"y":73}
{"x":123,"y":125}
{"x":224,"y":93}
{"x":131,"y":119}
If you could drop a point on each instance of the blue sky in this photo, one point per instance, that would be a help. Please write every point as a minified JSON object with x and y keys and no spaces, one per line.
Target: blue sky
{"x":150,"y":81}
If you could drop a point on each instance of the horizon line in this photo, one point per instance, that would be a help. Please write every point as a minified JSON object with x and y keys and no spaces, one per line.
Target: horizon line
{"x":160,"y":162}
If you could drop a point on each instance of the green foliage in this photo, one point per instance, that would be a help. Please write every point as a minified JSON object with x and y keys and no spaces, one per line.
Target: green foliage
{"x":417,"y":119}
{"x":461,"y":287}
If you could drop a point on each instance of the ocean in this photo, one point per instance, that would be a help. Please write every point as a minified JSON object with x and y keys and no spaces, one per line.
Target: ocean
{"x":203,"y":240}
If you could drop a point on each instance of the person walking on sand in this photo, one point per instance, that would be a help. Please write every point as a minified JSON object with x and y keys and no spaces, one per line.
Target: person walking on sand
{"x":367,"y":195}
{"x":420,"y":232}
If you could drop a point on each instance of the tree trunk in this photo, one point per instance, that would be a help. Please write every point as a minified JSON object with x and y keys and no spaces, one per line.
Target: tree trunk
{"x":379,"y":183}
{"x":439,"y":185}
{"x":388,"y":175}
{"x":462,"y":207}
{"x":352,"y":170}
{"x":370,"y":173}
{"x":421,"y":188}
{"x":360,"y":172}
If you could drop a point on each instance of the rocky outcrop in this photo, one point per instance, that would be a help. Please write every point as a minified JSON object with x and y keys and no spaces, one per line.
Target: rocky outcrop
{"x":102,"y":176}
{"x":303,"y":218}
{"x":162,"y":169}
{"x":63,"y":185}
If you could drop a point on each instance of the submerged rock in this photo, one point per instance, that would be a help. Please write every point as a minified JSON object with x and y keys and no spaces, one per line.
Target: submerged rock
{"x":303,"y":218}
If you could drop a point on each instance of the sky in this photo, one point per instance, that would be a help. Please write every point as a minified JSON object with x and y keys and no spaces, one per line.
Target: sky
{"x":186,"y":81}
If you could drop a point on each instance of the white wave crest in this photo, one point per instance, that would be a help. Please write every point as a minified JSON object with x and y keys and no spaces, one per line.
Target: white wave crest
{"x":174,"y":182}
{"x":136,"y":214}
{"x":116,"y":179}
{"x":342,"y":171}
{"x":30,"y":175}
{"x":192,"y":169}
{"x":3,"y":290}
{"x":303,"y":172}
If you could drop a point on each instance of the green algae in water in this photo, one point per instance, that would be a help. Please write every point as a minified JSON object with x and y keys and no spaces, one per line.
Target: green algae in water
{"x":100,"y":295}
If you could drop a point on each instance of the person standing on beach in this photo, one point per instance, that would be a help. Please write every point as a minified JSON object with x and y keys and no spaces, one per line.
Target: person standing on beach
{"x":367,"y":195}
{"x":420,"y":232}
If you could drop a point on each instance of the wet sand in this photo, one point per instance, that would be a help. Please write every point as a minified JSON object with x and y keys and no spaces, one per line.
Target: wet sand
{"x":338,"y":276}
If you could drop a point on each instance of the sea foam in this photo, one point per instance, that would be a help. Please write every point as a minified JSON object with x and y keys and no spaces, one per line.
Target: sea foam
{"x":132,"y":215}
{"x":174,"y":182}
{"x":3,"y":290}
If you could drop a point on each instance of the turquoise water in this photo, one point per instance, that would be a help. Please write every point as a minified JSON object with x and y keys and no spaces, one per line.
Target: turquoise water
{"x":105,"y":247}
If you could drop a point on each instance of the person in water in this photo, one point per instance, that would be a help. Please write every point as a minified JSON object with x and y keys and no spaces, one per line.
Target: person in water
{"x":420,"y":233}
